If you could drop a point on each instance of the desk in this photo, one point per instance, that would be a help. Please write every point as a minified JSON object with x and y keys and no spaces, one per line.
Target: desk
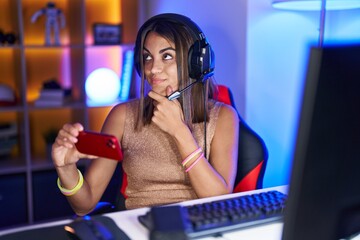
{"x":127,"y":221}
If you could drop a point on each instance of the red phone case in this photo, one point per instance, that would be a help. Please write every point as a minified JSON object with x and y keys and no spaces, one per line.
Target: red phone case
{"x":99,"y":144}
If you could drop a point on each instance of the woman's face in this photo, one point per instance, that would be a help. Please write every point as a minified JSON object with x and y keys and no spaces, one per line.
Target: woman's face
{"x":160,"y":63}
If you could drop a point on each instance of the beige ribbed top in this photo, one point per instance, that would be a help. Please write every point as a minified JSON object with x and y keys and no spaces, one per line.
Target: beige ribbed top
{"x":152,"y":161}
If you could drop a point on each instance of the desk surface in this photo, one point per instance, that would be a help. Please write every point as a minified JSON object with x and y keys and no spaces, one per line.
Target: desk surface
{"x":127,"y":221}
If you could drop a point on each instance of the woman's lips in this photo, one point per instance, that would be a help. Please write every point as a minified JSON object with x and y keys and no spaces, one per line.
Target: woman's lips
{"x":156,"y":81}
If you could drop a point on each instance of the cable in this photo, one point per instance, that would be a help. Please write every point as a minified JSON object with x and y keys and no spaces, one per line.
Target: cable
{"x":205,"y":111}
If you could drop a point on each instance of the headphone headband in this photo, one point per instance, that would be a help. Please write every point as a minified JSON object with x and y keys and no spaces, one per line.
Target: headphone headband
{"x":177,"y":18}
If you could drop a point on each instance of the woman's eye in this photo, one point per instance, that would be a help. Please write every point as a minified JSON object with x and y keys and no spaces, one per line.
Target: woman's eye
{"x":167,"y":56}
{"x":146,"y":57}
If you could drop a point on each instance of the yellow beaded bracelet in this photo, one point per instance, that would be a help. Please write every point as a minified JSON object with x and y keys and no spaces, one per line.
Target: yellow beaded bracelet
{"x":70,"y":192}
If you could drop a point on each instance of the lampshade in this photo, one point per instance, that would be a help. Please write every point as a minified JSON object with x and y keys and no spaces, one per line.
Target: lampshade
{"x":309,"y":5}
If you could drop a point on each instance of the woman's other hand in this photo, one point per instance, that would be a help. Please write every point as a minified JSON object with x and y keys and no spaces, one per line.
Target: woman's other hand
{"x":63,"y":150}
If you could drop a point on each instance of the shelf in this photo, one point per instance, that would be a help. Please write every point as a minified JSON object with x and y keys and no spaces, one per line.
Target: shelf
{"x":16,"y":46}
{"x":45,"y":164}
{"x":26,"y":66}
{"x":39,"y":164}
{"x":15,"y":108}
{"x":80,"y":46}
{"x":70,"y":105}
{"x":11,"y":166}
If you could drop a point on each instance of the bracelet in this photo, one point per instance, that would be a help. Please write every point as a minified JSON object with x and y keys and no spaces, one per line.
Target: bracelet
{"x":195,"y":162}
{"x":70,"y":192}
{"x":188,"y":158}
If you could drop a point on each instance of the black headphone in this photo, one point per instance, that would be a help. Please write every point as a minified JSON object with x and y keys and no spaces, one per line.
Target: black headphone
{"x":201,"y":61}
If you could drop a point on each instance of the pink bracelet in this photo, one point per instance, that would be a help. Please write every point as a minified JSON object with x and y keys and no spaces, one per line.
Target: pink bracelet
{"x":186,"y":160}
{"x":195,"y":162}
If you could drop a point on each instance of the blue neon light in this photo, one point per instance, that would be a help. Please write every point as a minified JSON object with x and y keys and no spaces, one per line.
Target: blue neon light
{"x":126,"y":75}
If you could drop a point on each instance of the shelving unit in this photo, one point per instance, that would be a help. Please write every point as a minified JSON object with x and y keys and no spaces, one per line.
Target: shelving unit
{"x":28,"y":191}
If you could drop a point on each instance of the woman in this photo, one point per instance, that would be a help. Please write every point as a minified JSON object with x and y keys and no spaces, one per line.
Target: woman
{"x":165,"y":156}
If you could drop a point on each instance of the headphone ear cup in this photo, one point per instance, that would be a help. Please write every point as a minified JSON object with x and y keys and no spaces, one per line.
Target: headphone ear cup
{"x":194,"y":63}
{"x":201,"y":61}
{"x":209,"y":62}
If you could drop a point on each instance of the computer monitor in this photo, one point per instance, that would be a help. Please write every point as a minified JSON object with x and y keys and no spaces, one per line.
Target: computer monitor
{"x":324,"y":191}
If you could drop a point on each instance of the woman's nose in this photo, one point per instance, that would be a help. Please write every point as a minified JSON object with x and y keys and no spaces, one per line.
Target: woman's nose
{"x":156,"y":67}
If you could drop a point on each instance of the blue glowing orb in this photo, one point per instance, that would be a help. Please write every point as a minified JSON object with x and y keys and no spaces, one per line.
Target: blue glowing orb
{"x":102,"y":86}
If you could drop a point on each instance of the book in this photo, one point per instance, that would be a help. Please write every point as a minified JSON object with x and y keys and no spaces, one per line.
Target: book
{"x":53,"y":97}
{"x":55,"y":93}
{"x":51,"y":102}
{"x":52,"y":93}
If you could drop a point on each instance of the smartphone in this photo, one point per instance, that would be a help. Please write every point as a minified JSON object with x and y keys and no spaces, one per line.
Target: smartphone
{"x":99,"y":144}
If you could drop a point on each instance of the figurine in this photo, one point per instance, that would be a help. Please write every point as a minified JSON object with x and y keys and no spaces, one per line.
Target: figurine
{"x":53,"y":15}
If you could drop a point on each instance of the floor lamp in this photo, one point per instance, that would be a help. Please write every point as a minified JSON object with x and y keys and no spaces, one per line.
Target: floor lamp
{"x":316,"y":5}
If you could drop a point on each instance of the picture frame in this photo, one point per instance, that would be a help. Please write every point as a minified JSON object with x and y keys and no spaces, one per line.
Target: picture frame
{"x":107,"y":34}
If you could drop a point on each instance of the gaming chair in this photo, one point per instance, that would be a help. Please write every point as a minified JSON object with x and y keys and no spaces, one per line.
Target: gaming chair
{"x":252,"y":152}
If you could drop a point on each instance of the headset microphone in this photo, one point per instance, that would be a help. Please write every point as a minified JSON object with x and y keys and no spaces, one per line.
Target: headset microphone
{"x":177,"y":94}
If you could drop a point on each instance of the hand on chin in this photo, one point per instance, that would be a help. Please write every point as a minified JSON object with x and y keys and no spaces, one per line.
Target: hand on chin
{"x":160,"y":91}
{"x":163,"y":91}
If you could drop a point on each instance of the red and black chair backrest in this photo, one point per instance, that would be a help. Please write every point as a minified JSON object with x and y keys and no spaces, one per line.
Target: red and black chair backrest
{"x":252,"y":152}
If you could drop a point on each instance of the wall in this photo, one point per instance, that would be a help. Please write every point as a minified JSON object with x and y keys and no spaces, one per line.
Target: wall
{"x":278,"y":44}
{"x":261,"y":53}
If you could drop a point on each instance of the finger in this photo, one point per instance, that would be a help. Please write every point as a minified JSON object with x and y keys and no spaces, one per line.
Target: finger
{"x":62,"y":142}
{"x":87,"y":156}
{"x":156,"y":96}
{"x":73,"y":129}
{"x":78,"y":126}
{"x":155,"y":103}
{"x":169,"y":90}
{"x":68,"y":136}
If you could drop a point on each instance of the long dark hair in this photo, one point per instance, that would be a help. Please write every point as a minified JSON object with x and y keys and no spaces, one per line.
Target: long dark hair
{"x":192,"y":101}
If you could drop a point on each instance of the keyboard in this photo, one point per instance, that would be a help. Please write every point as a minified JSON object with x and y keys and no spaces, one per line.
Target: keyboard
{"x":212,"y":218}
